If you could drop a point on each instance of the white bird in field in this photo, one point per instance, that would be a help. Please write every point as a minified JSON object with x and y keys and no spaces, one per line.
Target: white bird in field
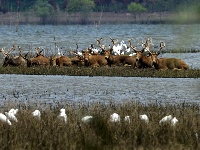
{"x":63,"y":115}
{"x":144,"y":117}
{"x":86,"y":119}
{"x":165,"y":119}
{"x":127,"y":119}
{"x":4,"y":119}
{"x":114,"y":117}
{"x":36,"y":114}
{"x":14,"y":111}
{"x":11,"y":115}
{"x":174,"y":121}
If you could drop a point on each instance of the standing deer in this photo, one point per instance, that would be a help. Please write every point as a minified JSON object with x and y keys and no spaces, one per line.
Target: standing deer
{"x":167,"y":63}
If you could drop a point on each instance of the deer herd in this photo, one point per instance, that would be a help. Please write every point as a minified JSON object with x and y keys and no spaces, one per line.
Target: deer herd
{"x":113,"y":55}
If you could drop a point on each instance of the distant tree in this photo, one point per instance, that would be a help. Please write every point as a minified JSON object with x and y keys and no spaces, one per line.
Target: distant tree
{"x":136,"y":9}
{"x":83,"y":6}
{"x":42,"y":9}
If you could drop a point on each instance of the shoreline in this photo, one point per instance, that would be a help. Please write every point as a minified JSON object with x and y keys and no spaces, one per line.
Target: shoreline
{"x":96,"y":18}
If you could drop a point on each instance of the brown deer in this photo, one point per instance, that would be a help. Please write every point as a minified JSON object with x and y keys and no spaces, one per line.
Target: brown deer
{"x":143,"y":59}
{"x":11,"y":60}
{"x":118,"y":60}
{"x":167,"y":63}
{"x":38,"y":60}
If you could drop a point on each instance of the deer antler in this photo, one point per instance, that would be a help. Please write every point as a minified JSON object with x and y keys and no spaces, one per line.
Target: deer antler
{"x":130,"y":45}
{"x":98,"y":43}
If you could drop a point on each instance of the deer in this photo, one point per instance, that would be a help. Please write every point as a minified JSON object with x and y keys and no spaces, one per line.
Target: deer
{"x":118,"y":60}
{"x":143,"y":59}
{"x":11,"y":60}
{"x":38,"y":60}
{"x":167,"y":63}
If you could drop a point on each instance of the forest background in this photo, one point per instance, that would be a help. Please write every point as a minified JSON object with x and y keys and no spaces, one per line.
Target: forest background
{"x":98,"y":11}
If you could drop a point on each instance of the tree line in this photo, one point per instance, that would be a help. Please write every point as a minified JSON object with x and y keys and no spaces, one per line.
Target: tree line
{"x":99,"y":5}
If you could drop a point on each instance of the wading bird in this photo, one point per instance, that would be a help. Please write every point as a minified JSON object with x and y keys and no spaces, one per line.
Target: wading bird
{"x":4,"y":119}
{"x":86,"y":119}
{"x":36,"y":114}
{"x":114,"y":117}
{"x":63,"y":115}
{"x":144,"y":117}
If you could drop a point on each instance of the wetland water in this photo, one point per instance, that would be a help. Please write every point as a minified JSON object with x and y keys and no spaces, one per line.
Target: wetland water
{"x":52,"y":89}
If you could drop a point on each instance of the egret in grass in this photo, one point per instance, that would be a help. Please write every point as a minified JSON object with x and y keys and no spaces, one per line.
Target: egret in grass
{"x":114,"y":117}
{"x":86,"y":119}
{"x":144,"y":117}
{"x":36,"y":114}
{"x":11,"y":116}
{"x":127,"y":119}
{"x":174,"y":121}
{"x":165,"y":119}
{"x":63,"y":115}
{"x":4,"y":119}
{"x":14,"y":111}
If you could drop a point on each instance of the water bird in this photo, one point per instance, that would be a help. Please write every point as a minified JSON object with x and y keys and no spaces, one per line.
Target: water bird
{"x":63,"y":115}
{"x":11,"y":116}
{"x":86,"y":119}
{"x":165,"y":119}
{"x":174,"y":121}
{"x":14,"y":111}
{"x":144,"y":117}
{"x":127,"y":119}
{"x":36,"y":114}
{"x":114,"y":117}
{"x":5,"y":119}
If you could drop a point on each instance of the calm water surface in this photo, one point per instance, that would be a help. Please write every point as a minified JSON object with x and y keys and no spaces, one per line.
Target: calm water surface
{"x":175,"y":36}
{"x":62,"y":89}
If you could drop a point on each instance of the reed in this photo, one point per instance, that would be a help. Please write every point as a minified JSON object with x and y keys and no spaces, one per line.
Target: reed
{"x":100,"y":133}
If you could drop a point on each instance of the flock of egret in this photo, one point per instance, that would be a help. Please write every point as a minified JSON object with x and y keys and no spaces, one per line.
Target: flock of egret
{"x":10,"y":116}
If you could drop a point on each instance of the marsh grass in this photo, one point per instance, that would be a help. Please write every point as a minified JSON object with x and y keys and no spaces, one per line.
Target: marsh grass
{"x":101,"y":71}
{"x":100,"y":133}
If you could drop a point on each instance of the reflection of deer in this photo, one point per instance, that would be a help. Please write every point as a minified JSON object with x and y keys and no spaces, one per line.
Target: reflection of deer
{"x":11,"y":60}
{"x":167,"y":63}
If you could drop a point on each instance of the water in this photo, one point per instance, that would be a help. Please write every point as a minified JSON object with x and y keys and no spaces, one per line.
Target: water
{"x":53,"y":89}
{"x":30,"y":36}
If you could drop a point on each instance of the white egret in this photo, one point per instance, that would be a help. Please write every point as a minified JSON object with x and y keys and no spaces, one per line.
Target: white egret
{"x":4,"y":119}
{"x":144,"y":117}
{"x":127,"y":119}
{"x":174,"y":121}
{"x":11,"y":116}
{"x":63,"y":115}
{"x":14,"y":111}
{"x":86,"y":119}
{"x":165,"y":119}
{"x":36,"y":114}
{"x":114,"y":117}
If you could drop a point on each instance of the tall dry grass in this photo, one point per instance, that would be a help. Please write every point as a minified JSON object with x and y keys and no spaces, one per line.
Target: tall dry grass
{"x":100,"y":133}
